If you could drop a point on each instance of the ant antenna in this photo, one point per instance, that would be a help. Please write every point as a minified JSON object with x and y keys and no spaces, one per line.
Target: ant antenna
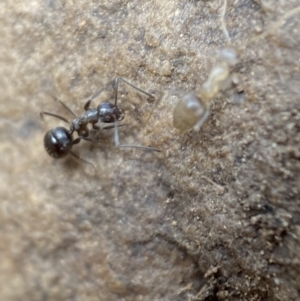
{"x":115,"y":85}
{"x":53,"y":115}
{"x":67,"y":108}
{"x":56,"y":115}
{"x":63,"y":104}
{"x":88,"y":102}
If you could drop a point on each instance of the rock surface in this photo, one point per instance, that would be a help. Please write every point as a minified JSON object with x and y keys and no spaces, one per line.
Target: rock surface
{"x":214,"y":216}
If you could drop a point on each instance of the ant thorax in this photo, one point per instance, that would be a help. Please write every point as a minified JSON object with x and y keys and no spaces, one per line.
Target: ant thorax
{"x":79,"y":124}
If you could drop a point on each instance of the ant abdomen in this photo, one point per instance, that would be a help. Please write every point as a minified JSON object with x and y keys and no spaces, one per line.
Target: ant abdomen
{"x":58,"y":142}
{"x":189,"y":113}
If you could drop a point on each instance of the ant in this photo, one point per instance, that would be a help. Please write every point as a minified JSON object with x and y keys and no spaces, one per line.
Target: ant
{"x":192,"y":111}
{"x":59,"y":141}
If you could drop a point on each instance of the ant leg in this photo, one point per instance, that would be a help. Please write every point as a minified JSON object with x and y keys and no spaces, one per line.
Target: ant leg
{"x":117,"y":142}
{"x":79,"y":158}
{"x":135,"y":87}
{"x":97,"y":128}
{"x":88,"y":139}
{"x":88,"y":103}
{"x":106,"y":127}
{"x":116,"y":85}
{"x":199,"y":124}
{"x":64,"y":105}
{"x":76,"y":141}
{"x":67,"y":108}
{"x":53,"y":115}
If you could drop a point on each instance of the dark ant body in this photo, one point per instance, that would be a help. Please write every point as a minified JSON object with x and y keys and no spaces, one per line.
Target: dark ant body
{"x":59,"y":141}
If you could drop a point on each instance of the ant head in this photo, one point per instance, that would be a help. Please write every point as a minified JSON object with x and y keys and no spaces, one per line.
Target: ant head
{"x":109,"y":112}
{"x":58,"y":142}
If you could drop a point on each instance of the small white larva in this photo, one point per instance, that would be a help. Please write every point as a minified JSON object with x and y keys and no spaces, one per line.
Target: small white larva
{"x":189,"y":113}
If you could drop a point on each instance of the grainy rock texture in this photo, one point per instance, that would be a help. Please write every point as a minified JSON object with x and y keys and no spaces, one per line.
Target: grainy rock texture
{"x":214,"y":216}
